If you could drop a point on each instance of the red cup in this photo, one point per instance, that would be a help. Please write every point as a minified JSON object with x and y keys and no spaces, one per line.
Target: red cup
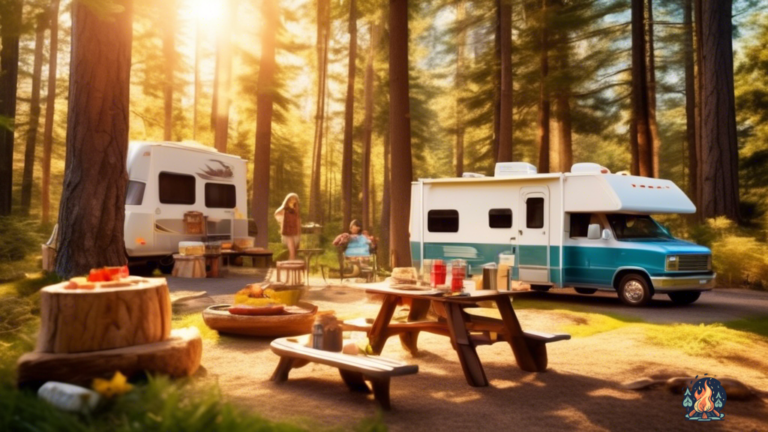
{"x":438,"y":273}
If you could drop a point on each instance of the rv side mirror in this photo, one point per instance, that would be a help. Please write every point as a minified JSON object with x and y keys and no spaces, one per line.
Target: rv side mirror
{"x":607,"y":234}
{"x":593,"y":231}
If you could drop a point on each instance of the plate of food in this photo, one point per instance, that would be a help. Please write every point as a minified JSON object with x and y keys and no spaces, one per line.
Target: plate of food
{"x":266,"y":320}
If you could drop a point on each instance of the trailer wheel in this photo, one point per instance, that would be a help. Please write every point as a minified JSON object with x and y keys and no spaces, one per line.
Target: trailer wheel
{"x":684,"y":297}
{"x":166,"y":264}
{"x":585,"y":290}
{"x":634,"y":290}
{"x":540,"y":288}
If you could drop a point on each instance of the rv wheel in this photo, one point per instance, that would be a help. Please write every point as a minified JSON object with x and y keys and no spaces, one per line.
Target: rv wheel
{"x":585,"y":290}
{"x":166,"y":264}
{"x":684,"y":297}
{"x":540,"y":288}
{"x":634,"y":290}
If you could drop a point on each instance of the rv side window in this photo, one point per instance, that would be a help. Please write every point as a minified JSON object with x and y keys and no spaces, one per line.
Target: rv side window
{"x":134,"y":194}
{"x":580,"y":224}
{"x":443,"y":221}
{"x":500,"y":218}
{"x":219,"y":195}
{"x":534,"y":212}
{"x":177,"y":188}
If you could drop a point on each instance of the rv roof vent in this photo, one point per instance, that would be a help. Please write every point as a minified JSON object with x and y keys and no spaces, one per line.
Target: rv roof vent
{"x":472,"y":175}
{"x":514,"y":169}
{"x":589,"y":167}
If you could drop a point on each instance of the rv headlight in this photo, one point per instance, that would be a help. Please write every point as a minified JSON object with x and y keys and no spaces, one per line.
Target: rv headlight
{"x":672,"y":263}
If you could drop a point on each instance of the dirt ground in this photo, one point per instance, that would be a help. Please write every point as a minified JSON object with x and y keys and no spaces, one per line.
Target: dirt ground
{"x":582,"y":390}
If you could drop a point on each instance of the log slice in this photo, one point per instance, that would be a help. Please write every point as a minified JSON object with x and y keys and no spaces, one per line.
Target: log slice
{"x":132,"y":312}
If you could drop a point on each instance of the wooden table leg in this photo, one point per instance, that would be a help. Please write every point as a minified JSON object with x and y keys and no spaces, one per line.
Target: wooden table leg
{"x":470,"y":362}
{"x":524,"y":356}
{"x":381,"y":391}
{"x":378,"y":334}
{"x":355,"y":381}
{"x":418,"y":312}
{"x":282,"y":370}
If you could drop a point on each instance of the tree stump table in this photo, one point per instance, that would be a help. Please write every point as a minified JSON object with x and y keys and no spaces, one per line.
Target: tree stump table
{"x":294,"y":272}
{"x":189,"y":266}
{"x":125,"y":326}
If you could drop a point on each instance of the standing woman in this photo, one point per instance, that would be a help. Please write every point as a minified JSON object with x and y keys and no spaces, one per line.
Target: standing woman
{"x":290,"y":223}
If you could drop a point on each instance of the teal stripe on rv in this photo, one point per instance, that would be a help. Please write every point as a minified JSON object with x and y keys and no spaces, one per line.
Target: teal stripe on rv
{"x":476,"y":254}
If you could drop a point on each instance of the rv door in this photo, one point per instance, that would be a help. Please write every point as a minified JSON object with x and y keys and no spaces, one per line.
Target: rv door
{"x":532,"y":237}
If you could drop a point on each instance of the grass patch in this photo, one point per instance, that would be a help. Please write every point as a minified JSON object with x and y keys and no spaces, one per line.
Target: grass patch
{"x":756,"y":325}
{"x":706,"y":340}
{"x":590,"y":324}
{"x":157,"y":405}
{"x":195,"y":320}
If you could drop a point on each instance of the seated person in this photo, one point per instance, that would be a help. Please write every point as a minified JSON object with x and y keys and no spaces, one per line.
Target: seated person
{"x":355,"y":243}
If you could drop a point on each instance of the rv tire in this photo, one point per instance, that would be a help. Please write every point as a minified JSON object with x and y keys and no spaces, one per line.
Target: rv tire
{"x":684,"y":297}
{"x":585,"y":290}
{"x":540,"y":288}
{"x":165,"y":264}
{"x":634,"y":290}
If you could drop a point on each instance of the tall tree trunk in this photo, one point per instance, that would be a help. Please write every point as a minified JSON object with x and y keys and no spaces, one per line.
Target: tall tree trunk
{"x":720,"y":149}
{"x":34,"y":114}
{"x":92,"y":208}
{"x":196,"y":101}
{"x":368,"y":126}
{"x":699,"y":86}
{"x":461,"y":41}
{"x":400,"y":134}
{"x":544,"y":103}
{"x":505,"y":113}
{"x":642,"y":156}
{"x":223,"y":81}
{"x":264,"y":106}
{"x":168,"y":25}
{"x":653,"y":125}
{"x":563,"y":100}
{"x":349,"y":122}
{"x":50,"y":111}
{"x":384,"y":251}
{"x":10,"y":30}
{"x":323,"y":38}
{"x":497,"y":79}
{"x":690,"y":101}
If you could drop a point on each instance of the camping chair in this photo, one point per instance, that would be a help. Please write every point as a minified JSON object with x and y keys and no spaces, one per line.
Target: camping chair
{"x":354,"y":266}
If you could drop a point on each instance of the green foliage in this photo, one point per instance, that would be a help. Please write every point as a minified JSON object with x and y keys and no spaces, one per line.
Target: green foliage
{"x":21,"y":237}
{"x":703,"y":340}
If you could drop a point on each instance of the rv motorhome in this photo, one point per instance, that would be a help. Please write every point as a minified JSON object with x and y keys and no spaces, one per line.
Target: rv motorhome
{"x":597,"y":224}
{"x":169,"y":179}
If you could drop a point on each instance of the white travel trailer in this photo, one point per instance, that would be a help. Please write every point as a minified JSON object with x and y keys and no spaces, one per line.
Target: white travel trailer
{"x":596,"y":223}
{"x":168,"y":179}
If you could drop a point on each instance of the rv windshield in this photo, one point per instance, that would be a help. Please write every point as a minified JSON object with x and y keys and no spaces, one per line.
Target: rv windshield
{"x":627,"y":227}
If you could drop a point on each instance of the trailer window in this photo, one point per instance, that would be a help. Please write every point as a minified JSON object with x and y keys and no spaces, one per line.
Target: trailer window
{"x":219,"y":195}
{"x":534,"y":212}
{"x":580,"y":224}
{"x":443,"y":221}
{"x":134,"y":194}
{"x":177,"y":188}
{"x":500,"y":218}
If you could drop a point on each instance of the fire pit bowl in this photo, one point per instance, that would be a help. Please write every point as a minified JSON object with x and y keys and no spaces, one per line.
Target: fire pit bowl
{"x":296,"y":320}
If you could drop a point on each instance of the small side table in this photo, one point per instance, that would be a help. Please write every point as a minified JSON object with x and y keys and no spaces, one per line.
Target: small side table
{"x":307,"y":255}
{"x":294,"y":272}
{"x":188,"y":266}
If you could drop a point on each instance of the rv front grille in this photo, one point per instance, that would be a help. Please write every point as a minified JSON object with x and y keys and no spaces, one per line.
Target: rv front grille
{"x":693,"y":262}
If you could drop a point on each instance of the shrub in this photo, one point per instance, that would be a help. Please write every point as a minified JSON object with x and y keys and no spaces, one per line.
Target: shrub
{"x":20,"y":238}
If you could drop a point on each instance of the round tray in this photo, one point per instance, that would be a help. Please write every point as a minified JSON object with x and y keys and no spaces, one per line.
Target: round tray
{"x":218,"y":318}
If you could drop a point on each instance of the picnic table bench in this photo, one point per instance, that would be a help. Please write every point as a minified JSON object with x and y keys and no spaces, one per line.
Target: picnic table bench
{"x":465,"y":330}
{"x":354,"y":370}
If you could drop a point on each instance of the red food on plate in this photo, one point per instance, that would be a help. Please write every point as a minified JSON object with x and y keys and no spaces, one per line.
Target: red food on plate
{"x":108,"y":274}
{"x":275,"y":309}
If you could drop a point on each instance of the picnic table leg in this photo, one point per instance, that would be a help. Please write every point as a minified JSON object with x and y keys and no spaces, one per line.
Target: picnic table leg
{"x":470,"y":362}
{"x":378,"y":335}
{"x":282,"y":370}
{"x":381,"y":391}
{"x":418,"y":312}
{"x":355,"y":381}
{"x":527,"y":359}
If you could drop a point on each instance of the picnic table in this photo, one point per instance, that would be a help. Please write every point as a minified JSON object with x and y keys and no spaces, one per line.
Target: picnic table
{"x":466,"y":331}
{"x":260,"y":258}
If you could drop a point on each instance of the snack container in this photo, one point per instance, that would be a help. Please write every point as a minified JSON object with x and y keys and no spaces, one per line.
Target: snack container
{"x":191,"y":248}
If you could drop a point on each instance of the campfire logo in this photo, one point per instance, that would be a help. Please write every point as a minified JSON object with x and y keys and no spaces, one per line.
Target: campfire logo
{"x":704,"y":400}
{"x":219,"y":171}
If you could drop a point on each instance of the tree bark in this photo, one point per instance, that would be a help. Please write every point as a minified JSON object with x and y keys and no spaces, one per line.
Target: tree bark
{"x":264,"y":108}
{"x":505,"y":113}
{"x":168,"y":25}
{"x":10,"y":30}
{"x":690,"y":101}
{"x":223,"y":80}
{"x":349,"y":123}
{"x":699,"y":85}
{"x":720,"y":150}
{"x":544,"y":103}
{"x":34,"y":114}
{"x":652,"y":124}
{"x":368,"y":126}
{"x":323,"y":37}
{"x":386,"y":188}
{"x":642,"y":156}
{"x":400,"y":134}
{"x":50,"y":112}
{"x":92,"y":207}
{"x":497,"y":79}
{"x":196,"y":101}
{"x":461,"y":41}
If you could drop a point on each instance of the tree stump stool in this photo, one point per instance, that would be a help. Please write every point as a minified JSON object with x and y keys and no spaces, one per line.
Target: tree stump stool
{"x":294,"y":272}
{"x":189,"y":266}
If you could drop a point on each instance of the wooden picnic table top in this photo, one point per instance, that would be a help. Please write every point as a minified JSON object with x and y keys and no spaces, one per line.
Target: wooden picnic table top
{"x":416,"y":291}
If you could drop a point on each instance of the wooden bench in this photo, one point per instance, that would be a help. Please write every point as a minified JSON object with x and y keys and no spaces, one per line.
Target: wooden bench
{"x":354,"y":370}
